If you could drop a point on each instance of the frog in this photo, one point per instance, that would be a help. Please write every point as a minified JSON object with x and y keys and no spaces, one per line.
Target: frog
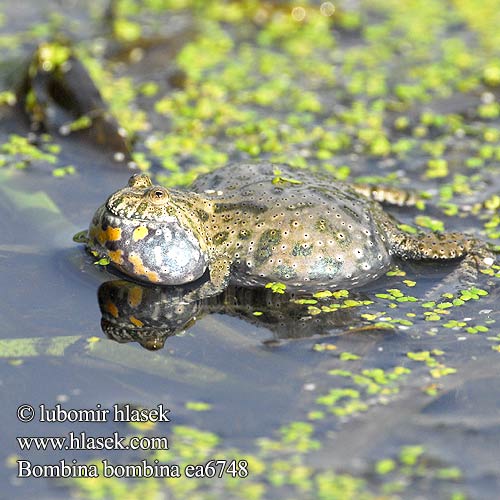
{"x":257,"y":223}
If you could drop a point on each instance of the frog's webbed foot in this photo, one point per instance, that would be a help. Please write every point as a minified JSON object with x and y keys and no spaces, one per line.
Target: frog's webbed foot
{"x":481,"y":253}
{"x":81,"y":237}
{"x":479,"y":256}
{"x":387,"y":194}
{"x":466,"y":275}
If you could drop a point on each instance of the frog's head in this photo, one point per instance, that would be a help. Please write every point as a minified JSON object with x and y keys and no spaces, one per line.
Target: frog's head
{"x":139,"y":231}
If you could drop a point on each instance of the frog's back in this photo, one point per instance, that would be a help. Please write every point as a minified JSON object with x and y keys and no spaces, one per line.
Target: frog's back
{"x":287,"y":225}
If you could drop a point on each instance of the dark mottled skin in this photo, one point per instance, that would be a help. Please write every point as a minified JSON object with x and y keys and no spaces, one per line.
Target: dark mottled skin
{"x":259,"y":223}
{"x":150,"y":314}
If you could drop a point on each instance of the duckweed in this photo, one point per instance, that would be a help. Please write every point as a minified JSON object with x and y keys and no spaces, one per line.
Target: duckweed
{"x":276,"y":287}
{"x":21,"y":152}
{"x":436,"y":369}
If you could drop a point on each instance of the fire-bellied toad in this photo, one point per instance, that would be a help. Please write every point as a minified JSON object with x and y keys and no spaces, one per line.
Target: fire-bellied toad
{"x":257,"y":223}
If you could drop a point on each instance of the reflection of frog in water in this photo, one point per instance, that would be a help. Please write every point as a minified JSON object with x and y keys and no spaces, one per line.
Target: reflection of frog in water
{"x":251,"y":224}
{"x":150,"y":314}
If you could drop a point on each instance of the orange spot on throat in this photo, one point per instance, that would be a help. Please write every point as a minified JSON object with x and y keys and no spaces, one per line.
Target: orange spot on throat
{"x":116,"y":256}
{"x":109,"y":234}
{"x":139,"y":233}
{"x":140,"y":269}
{"x":113,"y":233}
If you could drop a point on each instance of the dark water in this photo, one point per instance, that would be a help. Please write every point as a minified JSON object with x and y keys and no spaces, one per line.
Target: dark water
{"x":50,"y":321}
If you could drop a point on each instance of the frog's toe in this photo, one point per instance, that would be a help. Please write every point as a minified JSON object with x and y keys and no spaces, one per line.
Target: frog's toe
{"x":482,"y":254}
{"x":487,"y":261}
{"x":81,"y":237}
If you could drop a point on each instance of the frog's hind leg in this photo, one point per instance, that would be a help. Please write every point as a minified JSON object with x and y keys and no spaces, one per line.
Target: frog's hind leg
{"x":474,"y":253}
{"x":387,"y":194}
{"x":440,"y":246}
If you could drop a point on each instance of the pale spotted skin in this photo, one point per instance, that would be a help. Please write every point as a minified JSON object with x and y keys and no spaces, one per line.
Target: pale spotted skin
{"x":257,"y":223}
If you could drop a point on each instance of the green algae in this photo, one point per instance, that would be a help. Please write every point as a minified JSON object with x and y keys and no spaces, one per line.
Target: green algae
{"x":20,"y":152}
{"x":198,"y":406}
{"x":366,"y":384}
{"x":276,"y":287}
{"x":63,"y":171}
{"x":244,"y":96}
{"x":36,"y":346}
{"x":276,"y":468}
{"x":436,"y":368}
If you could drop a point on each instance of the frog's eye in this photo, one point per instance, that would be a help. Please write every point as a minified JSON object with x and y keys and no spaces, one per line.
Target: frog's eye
{"x":139,"y":181}
{"x":159,"y":195}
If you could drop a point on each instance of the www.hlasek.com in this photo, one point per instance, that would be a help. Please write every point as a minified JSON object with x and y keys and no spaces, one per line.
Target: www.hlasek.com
{"x":78,"y":441}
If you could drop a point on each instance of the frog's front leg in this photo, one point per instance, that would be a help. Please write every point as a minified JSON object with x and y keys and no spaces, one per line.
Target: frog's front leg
{"x":387,"y":194}
{"x":219,"y":270}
